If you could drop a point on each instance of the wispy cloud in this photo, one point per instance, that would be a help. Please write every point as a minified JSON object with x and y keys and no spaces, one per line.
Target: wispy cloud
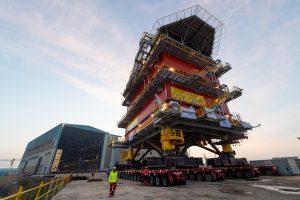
{"x":80,"y":40}
{"x":91,"y":46}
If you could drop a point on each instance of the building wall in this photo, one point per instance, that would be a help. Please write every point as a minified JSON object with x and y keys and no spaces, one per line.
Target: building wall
{"x":112,"y":155}
{"x":285,"y":165}
{"x":39,"y":152}
{"x":298,"y":162}
{"x":79,"y":147}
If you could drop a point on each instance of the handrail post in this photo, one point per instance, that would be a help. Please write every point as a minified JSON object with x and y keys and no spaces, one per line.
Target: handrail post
{"x":39,"y":191}
{"x":49,"y":189}
{"x":54,"y":189}
{"x":61,"y":183}
{"x":19,"y":193}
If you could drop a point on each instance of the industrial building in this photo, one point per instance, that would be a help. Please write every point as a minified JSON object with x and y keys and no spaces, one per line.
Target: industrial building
{"x":69,"y":148}
{"x":285,"y":165}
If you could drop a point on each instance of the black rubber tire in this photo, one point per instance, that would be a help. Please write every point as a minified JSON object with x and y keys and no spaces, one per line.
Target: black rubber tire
{"x":208,"y":177}
{"x":230,"y":174}
{"x":248,"y":174}
{"x":199,"y":177}
{"x":165,"y":181}
{"x":191,"y":176}
{"x":269,"y":173}
{"x":139,"y":178}
{"x":238,"y":174}
{"x":157,"y":181}
{"x":152,"y":180}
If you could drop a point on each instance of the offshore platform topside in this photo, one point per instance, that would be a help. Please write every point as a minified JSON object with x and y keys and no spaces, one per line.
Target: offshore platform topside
{"x":174,"y":97}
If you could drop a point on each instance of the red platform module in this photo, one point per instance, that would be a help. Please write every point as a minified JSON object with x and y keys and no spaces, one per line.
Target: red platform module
{"x":174,"y":97}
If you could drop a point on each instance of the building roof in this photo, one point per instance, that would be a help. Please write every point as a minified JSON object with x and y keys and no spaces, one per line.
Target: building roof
{"x":55,"y":132}
{"x":85,"y":127}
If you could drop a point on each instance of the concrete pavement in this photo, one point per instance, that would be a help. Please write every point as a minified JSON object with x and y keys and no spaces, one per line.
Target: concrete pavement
{"x":228,"y":189}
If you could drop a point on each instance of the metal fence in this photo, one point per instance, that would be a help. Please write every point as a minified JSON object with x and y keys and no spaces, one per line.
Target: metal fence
{"x":44,"y":191}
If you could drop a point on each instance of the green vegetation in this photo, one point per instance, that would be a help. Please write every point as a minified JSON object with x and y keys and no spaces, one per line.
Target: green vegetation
{"x":9,"y":185}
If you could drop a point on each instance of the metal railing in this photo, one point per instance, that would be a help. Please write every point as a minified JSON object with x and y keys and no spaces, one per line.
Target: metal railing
{"x":44,"y":191}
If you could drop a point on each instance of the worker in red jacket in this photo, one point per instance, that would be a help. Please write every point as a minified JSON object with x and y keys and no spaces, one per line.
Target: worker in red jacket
{"x":113,"y":179}
{"x":145,"y":174}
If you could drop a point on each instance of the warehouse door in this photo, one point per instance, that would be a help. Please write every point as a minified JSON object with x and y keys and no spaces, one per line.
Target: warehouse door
{"x":38,"y":165}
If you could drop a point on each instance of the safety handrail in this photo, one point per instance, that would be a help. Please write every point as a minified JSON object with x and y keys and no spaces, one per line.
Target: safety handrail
{"x":51,"y":191}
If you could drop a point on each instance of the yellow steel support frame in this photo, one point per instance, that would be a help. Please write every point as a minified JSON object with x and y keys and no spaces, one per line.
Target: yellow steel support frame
{"x":43,"y":190}
{"x":129,"y":154}
{"x":227,"y":148}
{"x":170,"y":138}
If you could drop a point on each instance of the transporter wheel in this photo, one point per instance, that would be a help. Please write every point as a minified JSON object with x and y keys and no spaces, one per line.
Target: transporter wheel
{"x":139,"y":178}
{"x":208,"y":177}
{"x":248,"y":174}
{"x":230,"y":174}
{"x":152,"y":180}
{"x":157,"y":181}
{"x":199,"y":177}
{"x":191,"y":176}
{"x":238,"y":174}
{"x":269,"y":173}
{"x":165,"y":181}
{"x":182,"y":182}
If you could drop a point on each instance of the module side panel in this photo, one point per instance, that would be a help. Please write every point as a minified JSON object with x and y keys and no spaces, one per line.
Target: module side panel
{"x":146,"y":111}
{"x":178,"y":63}
{"x":142,"y":87}
{"x":165,"y":59}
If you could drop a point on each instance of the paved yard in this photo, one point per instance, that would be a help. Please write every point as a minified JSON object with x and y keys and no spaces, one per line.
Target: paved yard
{"x":266,"y":189}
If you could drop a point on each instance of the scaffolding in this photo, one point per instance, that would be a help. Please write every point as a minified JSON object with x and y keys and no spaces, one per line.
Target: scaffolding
{"x":190,"y":36}
{"x":202,"y":34}
{"x":211,"y":22}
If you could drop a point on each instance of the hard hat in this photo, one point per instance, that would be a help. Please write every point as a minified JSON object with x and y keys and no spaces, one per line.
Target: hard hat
{"x":114,"y":168}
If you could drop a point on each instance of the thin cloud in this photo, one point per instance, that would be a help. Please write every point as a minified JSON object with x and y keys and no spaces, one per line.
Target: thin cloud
{"x":91,"y":47}
{"x":65,"y":40}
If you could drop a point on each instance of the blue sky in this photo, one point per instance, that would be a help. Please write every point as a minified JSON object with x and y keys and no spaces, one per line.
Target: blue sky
{"x":69,"y":61}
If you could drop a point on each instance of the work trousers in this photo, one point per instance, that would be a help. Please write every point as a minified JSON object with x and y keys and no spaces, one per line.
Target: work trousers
{"x":112,"y":187}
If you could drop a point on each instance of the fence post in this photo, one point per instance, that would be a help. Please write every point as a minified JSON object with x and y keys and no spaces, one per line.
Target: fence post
{"x":49,"y":189}
{"x":38,"y":193}
{"x":19,"y":193}
{"x":61,"y":183}
{"x":53,"y":192}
